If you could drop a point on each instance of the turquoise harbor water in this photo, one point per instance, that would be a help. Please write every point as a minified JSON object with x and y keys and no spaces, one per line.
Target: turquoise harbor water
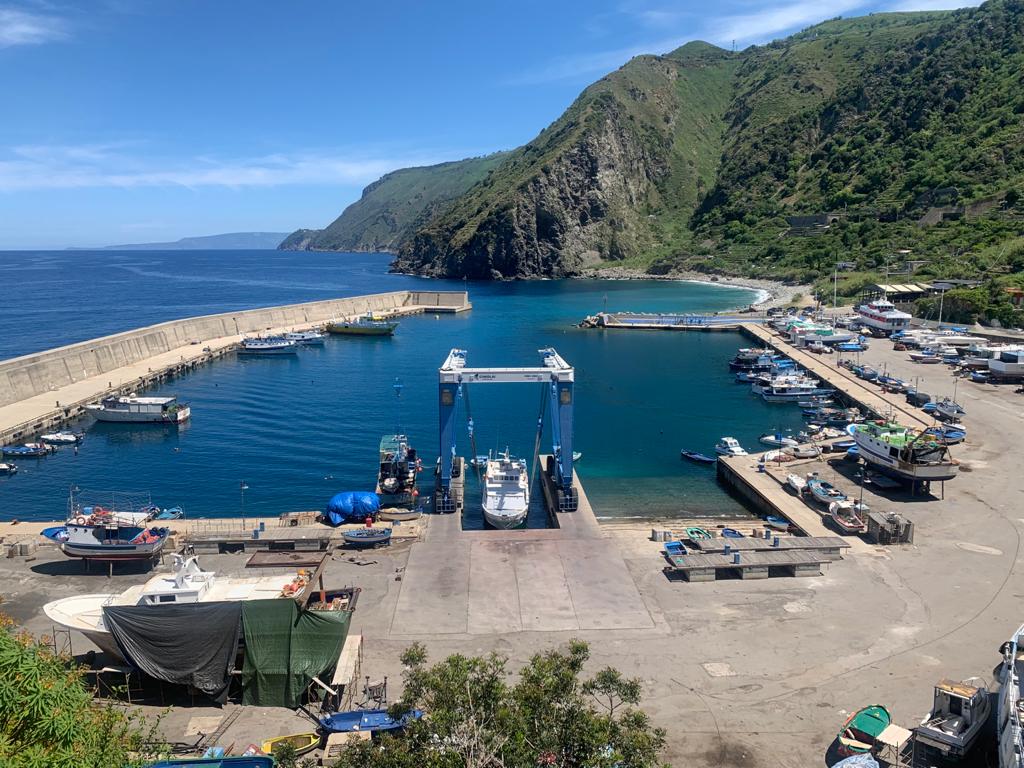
{"x":298,"y":430}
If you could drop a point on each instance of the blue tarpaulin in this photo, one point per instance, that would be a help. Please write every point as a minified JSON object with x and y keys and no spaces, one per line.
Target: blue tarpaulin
{"x":351,"y":507}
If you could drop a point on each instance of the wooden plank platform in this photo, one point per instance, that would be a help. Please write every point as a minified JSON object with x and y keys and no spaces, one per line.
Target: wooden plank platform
{"x":828,"y":547}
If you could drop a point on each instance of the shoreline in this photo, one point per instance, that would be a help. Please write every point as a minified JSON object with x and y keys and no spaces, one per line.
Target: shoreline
{"x":771,"y":293}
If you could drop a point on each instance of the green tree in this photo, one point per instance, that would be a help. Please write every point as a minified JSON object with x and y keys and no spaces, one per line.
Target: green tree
{"x":47,"y":715}
{"x":476,"y":717}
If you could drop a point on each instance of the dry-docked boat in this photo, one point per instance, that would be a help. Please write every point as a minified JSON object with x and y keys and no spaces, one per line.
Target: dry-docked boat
{"x":959,"y":712}
{"x":187,"y":584}
{"x":858,"y":734}
{"x":796,"y":483}
{"x":845,"y":517}
{"x":398,"y":470}
{"x":506,"y":496}
{"x":824,"y":493}
{"x":902,"y":452}
{"x":140,"y":410}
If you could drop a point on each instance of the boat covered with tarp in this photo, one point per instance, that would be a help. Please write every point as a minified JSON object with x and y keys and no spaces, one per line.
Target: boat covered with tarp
{"x":351,"y":507}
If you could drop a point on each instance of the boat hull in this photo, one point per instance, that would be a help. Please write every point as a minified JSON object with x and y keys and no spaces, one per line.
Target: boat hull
{"x":84,"y":614}
{"x":273,"y":352}
{"x":905,"y":470}
{"x":127,"y":417}
{"x":505,"y":521}
{"x":351,"y":329}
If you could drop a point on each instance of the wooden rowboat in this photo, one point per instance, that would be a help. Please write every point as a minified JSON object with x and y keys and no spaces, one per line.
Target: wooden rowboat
{"x":302,"y":742}
{"x":858,"y":734}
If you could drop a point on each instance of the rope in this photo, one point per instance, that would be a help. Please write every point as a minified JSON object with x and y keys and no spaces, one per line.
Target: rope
{"x":472,"y":432}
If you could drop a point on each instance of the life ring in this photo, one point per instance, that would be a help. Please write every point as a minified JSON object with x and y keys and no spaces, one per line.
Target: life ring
{"x":80,"y":520}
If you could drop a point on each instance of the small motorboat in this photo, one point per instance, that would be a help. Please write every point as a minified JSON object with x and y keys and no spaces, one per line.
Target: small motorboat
{"x":480,"y":462}
{"x":949,"y":410}
{"x":796,"y":483}
{"x":732,"y":533}
{"x":979,"y":377}
{"x":729,"y":446}
{"x":778,"y":523}
{"x":841,"y":446}
{"x":858,"y":734}
{"x":959,"y":712}
{"x":27,"y":451}
{"x":804,"y":451}
{"x":777,"y":439}
{"x":700,"y":458}
{"x":302,"y":743}
{"x":947,"y":434}
{"x":6,"y":468}
{"x":367,"y":537}
{"x":369,"y":720}
{"x":306,"y":339}
{"x":778,"y":456}
{"x":845,"y":518}
{"x":674,"y":549}
{"x":823,"y":492}
{"x":267,"y":346}
{"x":577,"y":455}
{"x":62,"y":438}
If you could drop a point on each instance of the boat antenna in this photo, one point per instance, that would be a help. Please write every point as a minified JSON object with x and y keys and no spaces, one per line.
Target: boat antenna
{"x":397,"y":386}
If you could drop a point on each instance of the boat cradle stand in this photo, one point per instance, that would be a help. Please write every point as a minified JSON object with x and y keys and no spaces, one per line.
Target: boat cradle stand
{"x":747,"y":565}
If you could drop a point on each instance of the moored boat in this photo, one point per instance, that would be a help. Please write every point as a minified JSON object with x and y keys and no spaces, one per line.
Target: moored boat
{"x":959,"y":712}
{"x":27,"y":451}
{"x":140,"y":410}
{"x":6,"y":468}
{"x":62,"y":438}
{"x":398,"y":471}
{"x":697,"y":457}
{"x":506,"y":491}
{"x":306,"y":338}
{"x":268,"y":346}
{"x":368,"y":325}
{"x":729,"y":446}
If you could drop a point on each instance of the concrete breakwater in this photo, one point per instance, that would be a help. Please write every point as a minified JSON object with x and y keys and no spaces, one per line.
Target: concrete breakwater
{"x":40,"y":390}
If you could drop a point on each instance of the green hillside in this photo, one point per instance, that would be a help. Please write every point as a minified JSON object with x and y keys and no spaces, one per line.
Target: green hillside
{"x":393,"y":206}
{"x":900,"y":133}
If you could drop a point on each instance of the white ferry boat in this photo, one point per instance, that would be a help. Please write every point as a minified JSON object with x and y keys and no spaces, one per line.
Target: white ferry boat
{"x":270,"y":345}
{"x":140,"y":410}
{"x":882,"y":315}
{"x":902,"y":452}
{"x":506,"y":497}
{"x":187,"y":584}
{"x":306,"y":338}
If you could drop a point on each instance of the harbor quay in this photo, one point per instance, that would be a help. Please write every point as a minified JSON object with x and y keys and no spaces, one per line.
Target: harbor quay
{"x":739,"y":671}
{"x":44,"y":390}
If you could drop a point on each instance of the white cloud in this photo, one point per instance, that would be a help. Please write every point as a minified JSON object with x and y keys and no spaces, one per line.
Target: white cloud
{"x":601,"y":62}
{"x":105,"y":165}
{"x":763,"y":25}
{"x":18,"y":27}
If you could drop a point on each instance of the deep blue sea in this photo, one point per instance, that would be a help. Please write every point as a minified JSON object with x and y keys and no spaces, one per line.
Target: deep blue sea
{"x":298,"y":430}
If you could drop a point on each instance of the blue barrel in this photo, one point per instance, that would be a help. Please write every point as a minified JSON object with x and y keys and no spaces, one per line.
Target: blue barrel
{"x":736,"y":558}
{"x":263,"y":526}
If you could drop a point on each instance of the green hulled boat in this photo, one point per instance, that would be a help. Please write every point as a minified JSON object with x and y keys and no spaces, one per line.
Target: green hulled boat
{"x":859,"y":732}
{"x":368,"y":325}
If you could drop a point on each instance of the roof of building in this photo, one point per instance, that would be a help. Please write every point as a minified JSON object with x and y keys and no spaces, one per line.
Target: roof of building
{"x":903,"y":287}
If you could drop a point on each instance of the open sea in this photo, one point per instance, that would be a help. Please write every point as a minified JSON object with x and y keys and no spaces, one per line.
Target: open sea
{"x":296,"y":431}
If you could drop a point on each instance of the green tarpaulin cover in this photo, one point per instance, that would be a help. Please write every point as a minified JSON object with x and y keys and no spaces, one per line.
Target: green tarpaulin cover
{"x":285,"y":648}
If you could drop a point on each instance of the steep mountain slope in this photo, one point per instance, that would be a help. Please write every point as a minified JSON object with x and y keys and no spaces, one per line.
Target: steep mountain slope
{"x":393,"y":206}
{"x":641,"y":141}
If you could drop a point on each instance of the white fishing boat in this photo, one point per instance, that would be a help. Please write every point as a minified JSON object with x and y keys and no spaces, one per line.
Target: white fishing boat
{"x":1010,"y":704}
{"x":188,"y":583}
{"x":140,"y":410}
{"x":506,"y":496}
{"x":788,"y":388}
{"x":959,"y":712}
{"x":6,"y":468}
{"x":267,"y":346}
{"x":729,"y":446}
{"x":306,"y":338}
{"x":902,"y":452}
{"x":796,"y":483}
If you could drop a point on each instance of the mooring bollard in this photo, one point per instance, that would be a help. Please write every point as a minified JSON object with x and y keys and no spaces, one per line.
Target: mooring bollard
{"x":736,"y":558}
{"x":728,"y":549}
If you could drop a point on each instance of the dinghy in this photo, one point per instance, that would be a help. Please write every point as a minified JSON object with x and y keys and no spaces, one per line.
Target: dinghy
{"x":778,"y":523}
{"x":858,"y":734}
{"x":6,"y":468}
{"x":732,"y":533}
{"x":778,"y":440}
{"x":824,"y":493}
{"x":845,"y":517}
{"x":62,"y":438}
{"x":303,"y":743}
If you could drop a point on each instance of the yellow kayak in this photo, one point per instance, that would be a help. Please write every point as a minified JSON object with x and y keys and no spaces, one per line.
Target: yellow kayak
{"x":303,"y":743}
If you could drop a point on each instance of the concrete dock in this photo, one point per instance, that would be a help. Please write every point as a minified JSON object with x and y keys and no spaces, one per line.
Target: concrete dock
{"x":43,"y":390}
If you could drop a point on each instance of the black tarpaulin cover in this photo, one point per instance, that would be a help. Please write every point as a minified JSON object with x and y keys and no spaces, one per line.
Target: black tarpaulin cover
{"x":188,"y":644}
{"x":285,"y":648}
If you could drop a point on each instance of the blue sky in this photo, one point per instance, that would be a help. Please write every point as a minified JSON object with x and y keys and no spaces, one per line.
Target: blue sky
{"x":145,"y":120}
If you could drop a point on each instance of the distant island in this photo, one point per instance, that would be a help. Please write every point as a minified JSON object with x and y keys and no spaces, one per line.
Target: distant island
{"x":230,"y":241}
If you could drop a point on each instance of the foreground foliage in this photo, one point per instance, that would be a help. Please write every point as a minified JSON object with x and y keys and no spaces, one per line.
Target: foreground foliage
{"x":478,"y":718}
{"x":47,"y":715}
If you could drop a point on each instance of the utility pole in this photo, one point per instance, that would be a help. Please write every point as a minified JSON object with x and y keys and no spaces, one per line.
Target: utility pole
{"x":835,"y":286}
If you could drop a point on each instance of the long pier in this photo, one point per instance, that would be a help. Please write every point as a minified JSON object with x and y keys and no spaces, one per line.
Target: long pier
{"x":45,"y":390}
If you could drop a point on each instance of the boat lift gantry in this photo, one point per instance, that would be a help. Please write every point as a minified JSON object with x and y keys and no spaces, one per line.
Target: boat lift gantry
{"x":453,"y":376}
